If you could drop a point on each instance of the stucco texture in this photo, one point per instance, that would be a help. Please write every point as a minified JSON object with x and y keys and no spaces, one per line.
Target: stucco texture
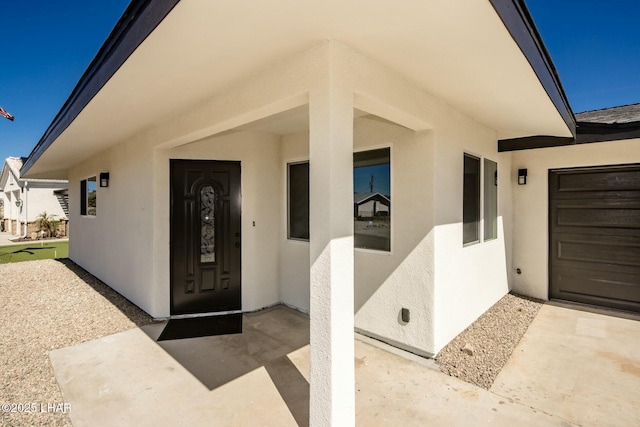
{"x":444,"y":286}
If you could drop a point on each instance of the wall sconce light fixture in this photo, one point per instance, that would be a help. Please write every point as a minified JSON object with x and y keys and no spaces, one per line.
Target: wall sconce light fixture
{"x":104,"y":179}
{"x":19,"y":203}
{"x":522,"y":176}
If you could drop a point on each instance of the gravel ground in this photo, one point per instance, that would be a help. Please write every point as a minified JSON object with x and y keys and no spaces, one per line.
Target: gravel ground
{"x":479,"y":353}
{"x":46,"y":305}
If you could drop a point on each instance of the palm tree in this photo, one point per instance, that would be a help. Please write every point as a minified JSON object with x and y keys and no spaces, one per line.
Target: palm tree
{"x":47,"y":223}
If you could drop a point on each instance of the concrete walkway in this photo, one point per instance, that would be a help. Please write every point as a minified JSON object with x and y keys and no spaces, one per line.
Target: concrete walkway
{"x":260,"y":377}
{"x":6,"y":239}
{"x":583,"y":367}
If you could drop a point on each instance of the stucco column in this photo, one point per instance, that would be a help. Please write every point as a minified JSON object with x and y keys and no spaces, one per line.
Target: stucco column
{"x":332,"y":393}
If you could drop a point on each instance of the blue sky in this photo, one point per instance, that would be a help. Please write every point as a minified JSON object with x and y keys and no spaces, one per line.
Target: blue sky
{"x":381,"y":179}
{"x":595,"y":46}
{"x":47,"y":45}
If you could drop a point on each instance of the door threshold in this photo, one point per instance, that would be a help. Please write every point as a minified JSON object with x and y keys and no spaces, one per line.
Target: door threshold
{"x":210,"y":314}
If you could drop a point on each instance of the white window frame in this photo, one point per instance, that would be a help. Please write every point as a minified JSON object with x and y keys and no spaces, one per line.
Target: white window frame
{"x":481,"y":236}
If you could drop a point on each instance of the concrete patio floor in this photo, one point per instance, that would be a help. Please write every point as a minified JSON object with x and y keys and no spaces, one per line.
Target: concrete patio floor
{"x":581,"y":366}
{"x":556,"y":377}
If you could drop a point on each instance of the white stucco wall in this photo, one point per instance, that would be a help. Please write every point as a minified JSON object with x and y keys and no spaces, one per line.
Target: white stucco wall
{"x":116,"y":245}
{"x":444,"y":285}
{"x":531,"y":203}
{"x":384,"y":282}
{"x":40,"y":198}
{"x":468,"y":279}
{"x":294,"y":262}
{"x":127,"y":243}
{"x":37,"y":197}
{"x":404,"y":278}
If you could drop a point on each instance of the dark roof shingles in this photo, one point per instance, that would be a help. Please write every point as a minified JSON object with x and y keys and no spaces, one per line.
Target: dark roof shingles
{"x":622,"y":114}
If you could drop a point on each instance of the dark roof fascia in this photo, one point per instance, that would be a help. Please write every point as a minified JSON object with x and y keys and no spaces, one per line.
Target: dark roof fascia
{"x":518,"y":21}
{"x":136,"y":23}
{"x":601,"y":132}
{"x":530,"y":142}
{"x":587,"y":133}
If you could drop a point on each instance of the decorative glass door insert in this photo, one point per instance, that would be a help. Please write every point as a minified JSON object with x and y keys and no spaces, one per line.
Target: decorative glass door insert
{"x":207,"y":224}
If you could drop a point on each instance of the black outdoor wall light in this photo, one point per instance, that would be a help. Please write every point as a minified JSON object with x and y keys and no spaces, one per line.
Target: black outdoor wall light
{"x":19,"y":203}
{"x":522,"y":176}
{"x":104,"y":179}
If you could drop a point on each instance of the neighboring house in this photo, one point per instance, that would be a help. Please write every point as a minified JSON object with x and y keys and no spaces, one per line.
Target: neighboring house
{"x":26,"y":198}
{"x":208,"y":140}
{"x":368,"y":205}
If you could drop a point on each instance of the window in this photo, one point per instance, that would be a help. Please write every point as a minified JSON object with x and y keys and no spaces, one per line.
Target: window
{"x":371,"y":203}
{"x":471,"y":200}
{"x":474,"y":177}
{"x":88,"y":196}
{"x":372,"y":199}
{"x":490,"y":200}
{"x":298,"y":201}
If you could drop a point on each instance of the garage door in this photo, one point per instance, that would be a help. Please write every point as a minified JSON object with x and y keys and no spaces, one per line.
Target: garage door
{"x":594,"y":226}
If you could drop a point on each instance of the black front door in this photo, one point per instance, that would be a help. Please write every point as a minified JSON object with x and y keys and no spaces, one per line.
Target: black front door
{"x":205,"y":236}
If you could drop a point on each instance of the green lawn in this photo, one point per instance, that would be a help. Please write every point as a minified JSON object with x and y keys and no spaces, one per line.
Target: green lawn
{"x":34,"y":250}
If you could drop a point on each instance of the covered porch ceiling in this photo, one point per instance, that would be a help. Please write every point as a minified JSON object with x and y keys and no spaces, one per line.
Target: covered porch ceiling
{"x":459,"y":51}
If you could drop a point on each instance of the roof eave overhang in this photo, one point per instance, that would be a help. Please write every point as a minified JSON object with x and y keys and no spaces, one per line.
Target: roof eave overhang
{"x":138,"y":21}
{"x":518,"y":21}
{"x":143,"y":16}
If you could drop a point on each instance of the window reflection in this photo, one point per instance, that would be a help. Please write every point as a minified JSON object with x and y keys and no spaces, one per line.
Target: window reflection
{"x":92,"y":196}
{"x":471,"y":200}
{"x":372,"y":199}
{"x":490,"y":200}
